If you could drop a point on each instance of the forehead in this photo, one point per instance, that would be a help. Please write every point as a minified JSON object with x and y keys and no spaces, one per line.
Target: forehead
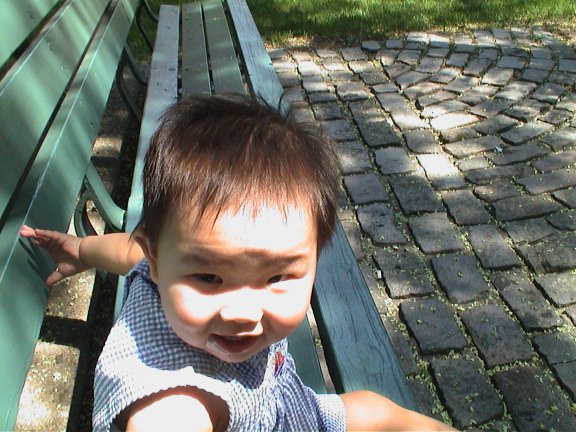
{"x":266,"y":229}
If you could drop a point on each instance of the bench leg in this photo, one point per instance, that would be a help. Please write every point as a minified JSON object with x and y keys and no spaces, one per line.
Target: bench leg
{"x":144,"y":6}
{"x":133,"y":65}
{"x":149,"y":11}
{"x":127,"y":60}
{"x":95,"y":190}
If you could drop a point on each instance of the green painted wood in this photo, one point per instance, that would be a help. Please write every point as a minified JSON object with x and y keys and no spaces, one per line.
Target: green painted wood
{"x":226,"y":74}
{"x":18,"y":19}
{"x":358,"y":351}
{"x":47,"y":198}
{"x":162,"y":92}
{"x":261,"y":75}
{"x":301,"y":346}
{"x":112,"y":214}
{"x":195,"y":71}
{"x":51,"y":60}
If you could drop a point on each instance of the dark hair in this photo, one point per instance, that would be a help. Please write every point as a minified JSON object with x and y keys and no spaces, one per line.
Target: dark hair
{"x":218,"y":153}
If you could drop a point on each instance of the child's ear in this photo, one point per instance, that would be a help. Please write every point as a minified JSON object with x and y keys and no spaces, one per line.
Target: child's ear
{"x":150,"y":252}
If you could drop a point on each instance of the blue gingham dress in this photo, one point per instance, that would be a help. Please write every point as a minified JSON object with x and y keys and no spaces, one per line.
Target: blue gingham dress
{"x":143,"y":356}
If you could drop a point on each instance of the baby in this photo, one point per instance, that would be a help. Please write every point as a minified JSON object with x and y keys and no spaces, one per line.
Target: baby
{"x":238,"y":202}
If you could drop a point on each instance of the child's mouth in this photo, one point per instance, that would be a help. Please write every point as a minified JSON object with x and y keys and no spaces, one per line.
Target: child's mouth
{"x":235,"y":344}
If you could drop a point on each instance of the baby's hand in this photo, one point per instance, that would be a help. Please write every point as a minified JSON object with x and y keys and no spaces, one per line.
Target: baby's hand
{"x":64,"y":249}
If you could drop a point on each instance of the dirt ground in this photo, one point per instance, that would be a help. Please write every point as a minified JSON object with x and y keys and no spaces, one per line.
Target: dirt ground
{"x":58,"y":392}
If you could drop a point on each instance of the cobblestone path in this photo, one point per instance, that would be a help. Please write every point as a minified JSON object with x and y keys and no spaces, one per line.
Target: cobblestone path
{"x":459,"y":167}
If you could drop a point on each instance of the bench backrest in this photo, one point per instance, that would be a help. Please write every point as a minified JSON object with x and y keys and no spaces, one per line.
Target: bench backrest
{"x":58,"y":60}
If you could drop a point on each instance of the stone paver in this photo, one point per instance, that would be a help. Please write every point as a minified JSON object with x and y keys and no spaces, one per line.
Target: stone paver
{"x":407,"y":120}
{"x":464,"y":148}
{"x":556,"y":161}
{"x":459,"y":276}
{"x":457,"y":153}
{"x":554,"y":285}
{"x":491,"y":107}
{"x":547,"y":408}
{"x":394,"y":160}
{"x":453,"y":120}
{"x":556,"y":347}
{"x":555,"y":254}
{"x":402,"y":283}
{"x":566,"y":197}
{"x":377,"y":132}
{"x":492,"y":174}
{"x":496,"y":191}
{"x":527,"y":110}
{"x":528,"y":303}
{"x":433,"y":325}
{"x":339,"y":130}
{"x":564,"y":220}
{"x":441,"y":171}
{"x":470,"y":398}
{"x":528,"y":230}
{"x":421,"y":141}
{"x":491,"y":248}
{"x":517,"y":154}
{"x":524,"y":207}
{"x":526,"y":132}
{"x":465,"y":208}
{"x":365,"y":188}
{"x":353,"y":157}
{"x":401,"y":348}
{"x":561,"y":138}
{"x":549,"y":182}
{"x":499,"y":339}
{"x":435,"y":234}
{"x":378,"y":222}
{"x":415,"y":194}
{"x":498,"y":76}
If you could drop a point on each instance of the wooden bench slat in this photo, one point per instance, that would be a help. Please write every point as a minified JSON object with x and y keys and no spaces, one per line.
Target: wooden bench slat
{"x":356,"y":344}
{"x":52,"y":184}
{"x":261,"y":73}
{"x":162,"y":92}
{"x":301,"y":346}
{"x":21,"y":88}
{"x":226,"y":73}
{"x":17,"y":20}
{"x":195,"y":72}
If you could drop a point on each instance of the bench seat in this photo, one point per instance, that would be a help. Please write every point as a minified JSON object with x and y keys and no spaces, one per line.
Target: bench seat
{"x":222,"y":52}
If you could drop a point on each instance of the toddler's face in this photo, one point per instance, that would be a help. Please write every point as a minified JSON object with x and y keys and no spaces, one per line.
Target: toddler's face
{"x":234,"y":286}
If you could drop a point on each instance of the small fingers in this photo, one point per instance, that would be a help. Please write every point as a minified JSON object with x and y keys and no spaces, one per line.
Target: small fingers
{"x":53,"y":278}
{"x":26,"y":231}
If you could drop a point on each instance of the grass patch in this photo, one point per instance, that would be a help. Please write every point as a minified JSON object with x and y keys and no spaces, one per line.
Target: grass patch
{"x":360,"y":19}
{"x":279,"y":21}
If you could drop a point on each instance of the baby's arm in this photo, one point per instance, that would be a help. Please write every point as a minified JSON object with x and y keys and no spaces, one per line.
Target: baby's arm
{"x":116,"y":253}
{"x":370,"y":411}
{"x":172,"y":409}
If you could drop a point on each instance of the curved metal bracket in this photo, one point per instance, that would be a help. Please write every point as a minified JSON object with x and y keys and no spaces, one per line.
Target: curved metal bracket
{"x":144,"y":6}
{"x":95,"y":191}
{"x":126,"y":59}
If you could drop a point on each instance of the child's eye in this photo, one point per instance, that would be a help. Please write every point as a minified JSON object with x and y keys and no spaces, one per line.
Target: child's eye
{"x":276,"y":279}
{"x":208,"y":278}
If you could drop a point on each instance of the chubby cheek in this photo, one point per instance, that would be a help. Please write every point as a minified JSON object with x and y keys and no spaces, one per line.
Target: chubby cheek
{"x":287,"y":312}
{"x":186,"y":310}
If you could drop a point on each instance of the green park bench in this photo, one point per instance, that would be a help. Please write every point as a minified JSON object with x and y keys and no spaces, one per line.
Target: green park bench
{"x":57,"y":71}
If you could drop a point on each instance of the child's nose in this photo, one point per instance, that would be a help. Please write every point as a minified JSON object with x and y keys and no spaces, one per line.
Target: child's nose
{"x":242,"y":312}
